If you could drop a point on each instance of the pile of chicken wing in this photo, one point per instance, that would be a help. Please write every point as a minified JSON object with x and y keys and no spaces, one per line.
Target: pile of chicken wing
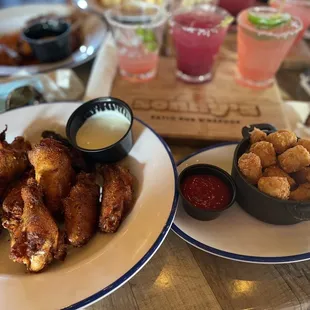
{"x":279,"y":164}
{"x":50,"y":183}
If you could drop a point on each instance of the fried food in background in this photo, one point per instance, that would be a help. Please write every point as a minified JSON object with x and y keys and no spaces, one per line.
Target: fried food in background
{"x":257,"y":135}
{"x":36,"y":240}
{"x":294,"y":159}
{"x":81,"y":209}
{"x":117,"y":196}
{"x":13,"y":160}
{"x":302,"y":176}
{"x":305,"y":143}
{"x":275,"y":186}
{"x":265,"y":151}
{"x":14,"y":51}
{"x":251,"y":167}
{"x":53,"y":171}
{"x":275,"y":171}
{"x":282,"y":140}
{"x":301,"y":193}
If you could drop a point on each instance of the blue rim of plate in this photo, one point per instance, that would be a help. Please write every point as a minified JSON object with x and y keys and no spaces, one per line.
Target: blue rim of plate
{"x":229,"y":255}
{"x":131,"y":272}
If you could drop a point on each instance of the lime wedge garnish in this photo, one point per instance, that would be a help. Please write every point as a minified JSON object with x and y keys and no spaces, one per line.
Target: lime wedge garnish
{"x":148,"y":38}
{"x":268,"y":21}
{"x":226,"y":21}
{"x":151,"y":46}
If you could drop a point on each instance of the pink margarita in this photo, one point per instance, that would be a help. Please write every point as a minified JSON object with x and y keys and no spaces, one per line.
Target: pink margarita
{"x":198,"y":33}
{"x":261,"y":50}
{"x":137,"y":29}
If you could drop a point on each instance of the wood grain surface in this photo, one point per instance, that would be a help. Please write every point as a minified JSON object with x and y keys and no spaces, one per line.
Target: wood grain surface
{"x":212,"y":111}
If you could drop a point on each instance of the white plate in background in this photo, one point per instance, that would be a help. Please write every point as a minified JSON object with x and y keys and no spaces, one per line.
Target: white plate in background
{"x":14,"y":18}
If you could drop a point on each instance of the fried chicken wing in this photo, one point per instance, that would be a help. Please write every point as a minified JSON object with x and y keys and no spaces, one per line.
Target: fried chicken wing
{"x":81,"y":209}
{"x":117,"y":196}
{"x":13,"y":160}
{"x":13,"y":204}
{"x":251,"y":167}
{"x":53,"y":171}
{"x":78,"y":160}
{"x":265,"y":151}
{"x":275,"y":186}
{"x":35,"y":238}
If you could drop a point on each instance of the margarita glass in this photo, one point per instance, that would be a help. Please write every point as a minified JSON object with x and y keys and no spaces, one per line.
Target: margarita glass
{"x":137,"y":29}
{"x":261,"y":50}
{"x":198,"y":33}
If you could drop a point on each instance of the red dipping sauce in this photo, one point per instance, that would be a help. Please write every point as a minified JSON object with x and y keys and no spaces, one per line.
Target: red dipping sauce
{"x":206,"y":191}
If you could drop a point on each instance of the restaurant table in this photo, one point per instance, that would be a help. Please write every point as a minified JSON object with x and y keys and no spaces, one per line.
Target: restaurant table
{"x":180,"y":276}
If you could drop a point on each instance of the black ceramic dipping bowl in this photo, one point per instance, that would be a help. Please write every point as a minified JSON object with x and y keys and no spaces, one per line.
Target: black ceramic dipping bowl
{"x":264,"y":207}
{"x":50,"y":40}
{"x":109,"y":154}
{"x":205,"y":214}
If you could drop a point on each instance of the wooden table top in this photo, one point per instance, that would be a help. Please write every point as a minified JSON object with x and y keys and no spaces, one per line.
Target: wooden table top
{"x":179,"y":276}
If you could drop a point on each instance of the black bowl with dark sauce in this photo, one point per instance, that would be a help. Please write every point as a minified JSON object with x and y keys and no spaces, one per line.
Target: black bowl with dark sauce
{"x":50,"y":40}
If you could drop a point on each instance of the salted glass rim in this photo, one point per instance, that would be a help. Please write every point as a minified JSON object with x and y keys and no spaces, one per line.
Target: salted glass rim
{"x":295,"y":22}
{"x":160,"y":17}
{"x":298,"y":2}
{"x":208,"y":8}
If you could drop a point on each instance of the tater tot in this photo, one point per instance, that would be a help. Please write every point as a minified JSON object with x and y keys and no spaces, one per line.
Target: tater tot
{"x":302,"y":176}
{"x":302,"y":192}
{"x":265,"y":151}
{"x":294,"y":159}
{"x":275,"y":186}
{"x":251,"y":167}
{"x":257,"y":135}
{"x":305,"y":143}
{"x":282,"y":140}
{"x":275,"y":171}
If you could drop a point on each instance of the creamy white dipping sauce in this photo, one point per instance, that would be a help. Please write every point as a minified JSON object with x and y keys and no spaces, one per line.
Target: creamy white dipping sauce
{"x":102,"y":129}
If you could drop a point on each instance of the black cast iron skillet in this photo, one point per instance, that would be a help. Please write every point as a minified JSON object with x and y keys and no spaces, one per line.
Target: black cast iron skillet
{"x":265,"y":208}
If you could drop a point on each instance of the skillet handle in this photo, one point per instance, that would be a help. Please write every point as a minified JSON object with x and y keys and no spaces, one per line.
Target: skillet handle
{"x":301,"y":213}
{"x":265,"y":127}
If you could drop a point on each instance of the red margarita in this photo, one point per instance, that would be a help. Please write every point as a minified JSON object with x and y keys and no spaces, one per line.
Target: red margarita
{"x":198,"y":33}
{"x":206,"y":192}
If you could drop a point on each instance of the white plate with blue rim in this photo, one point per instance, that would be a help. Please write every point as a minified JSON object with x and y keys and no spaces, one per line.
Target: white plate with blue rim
{"x":235,"y":234}
{"x":109,"y":260}
{"x":93,"y":29}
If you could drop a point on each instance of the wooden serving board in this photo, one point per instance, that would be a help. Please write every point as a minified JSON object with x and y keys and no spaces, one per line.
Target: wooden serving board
{"x":213,"y":111}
